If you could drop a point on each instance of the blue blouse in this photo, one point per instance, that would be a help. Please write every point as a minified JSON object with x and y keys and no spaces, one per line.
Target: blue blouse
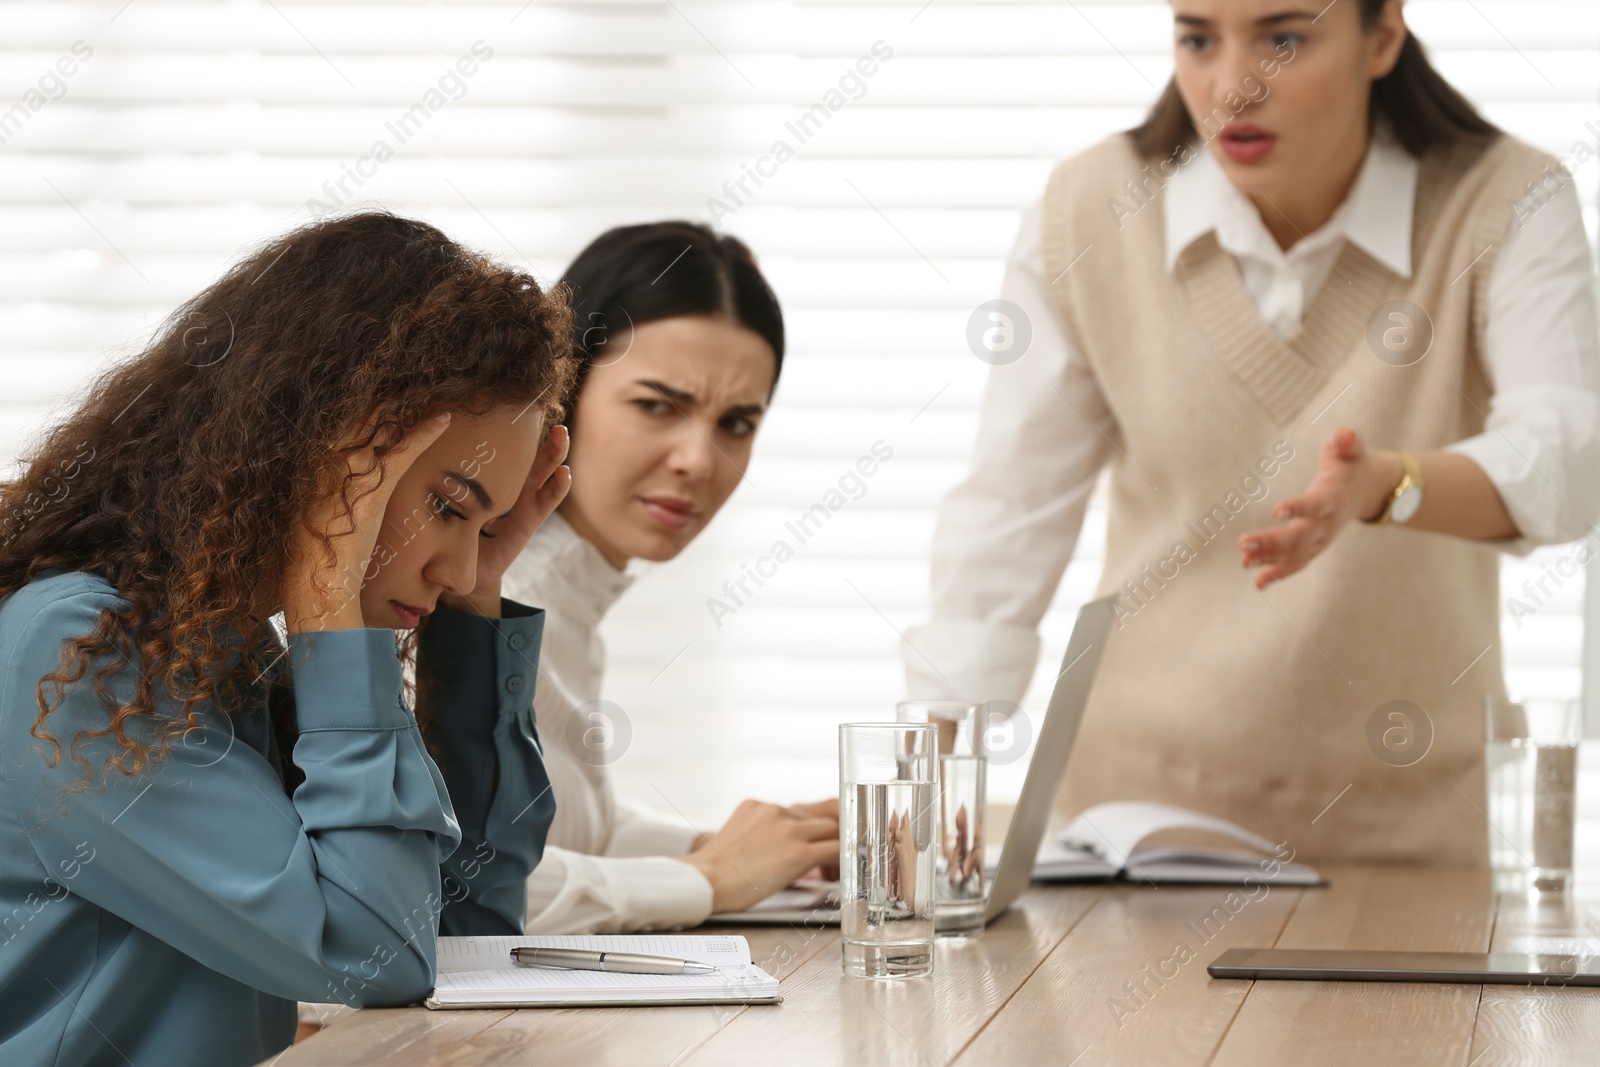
{"x":175,"y":917}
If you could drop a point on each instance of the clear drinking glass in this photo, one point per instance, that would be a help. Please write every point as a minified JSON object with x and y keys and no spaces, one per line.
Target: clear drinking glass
{"x":1532,"y":764}
{"x":958,"y":867}
{"x":888,"y":830}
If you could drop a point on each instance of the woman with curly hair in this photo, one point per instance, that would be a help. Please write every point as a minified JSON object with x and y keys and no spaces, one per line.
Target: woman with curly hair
{"x":203,"y":820}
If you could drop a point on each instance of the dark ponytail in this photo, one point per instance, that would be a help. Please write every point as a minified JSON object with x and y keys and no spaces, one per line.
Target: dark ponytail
{"x":1422,"y":109}
{"x":632,"y":275}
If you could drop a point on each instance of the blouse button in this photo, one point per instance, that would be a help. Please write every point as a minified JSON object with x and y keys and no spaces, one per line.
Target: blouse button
{"x":517,"y":641}
{"x":514,"y":683}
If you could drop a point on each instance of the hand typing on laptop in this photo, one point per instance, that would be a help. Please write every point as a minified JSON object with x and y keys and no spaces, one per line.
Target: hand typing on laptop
{"x":770,"y":841}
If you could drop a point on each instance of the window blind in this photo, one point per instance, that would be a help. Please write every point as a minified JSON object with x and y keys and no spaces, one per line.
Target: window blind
{"x":144,"y":145}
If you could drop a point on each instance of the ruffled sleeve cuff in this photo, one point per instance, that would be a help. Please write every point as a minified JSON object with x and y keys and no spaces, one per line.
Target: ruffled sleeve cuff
{"x":657,"y":892}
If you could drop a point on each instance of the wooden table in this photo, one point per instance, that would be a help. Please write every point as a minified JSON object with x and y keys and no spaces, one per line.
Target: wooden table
{"x":1081,"y":976}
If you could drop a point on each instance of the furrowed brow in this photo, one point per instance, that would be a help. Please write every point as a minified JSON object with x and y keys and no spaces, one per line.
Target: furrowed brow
{"x":677,"y":396}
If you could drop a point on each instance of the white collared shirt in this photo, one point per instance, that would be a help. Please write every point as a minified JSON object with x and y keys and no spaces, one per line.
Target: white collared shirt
{"x":1032,"y":471}
{"x":1200,"y":198}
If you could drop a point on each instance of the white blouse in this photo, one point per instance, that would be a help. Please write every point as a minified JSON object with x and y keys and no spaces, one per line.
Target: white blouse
{"x":606,"y":865}
{"x":1006,"y":532}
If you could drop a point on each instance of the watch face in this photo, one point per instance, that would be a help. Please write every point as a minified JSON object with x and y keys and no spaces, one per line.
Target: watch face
{"x":1406,"y":505}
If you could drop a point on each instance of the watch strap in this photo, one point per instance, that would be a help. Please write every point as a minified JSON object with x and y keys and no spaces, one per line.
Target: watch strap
{"x":1411,"y":475}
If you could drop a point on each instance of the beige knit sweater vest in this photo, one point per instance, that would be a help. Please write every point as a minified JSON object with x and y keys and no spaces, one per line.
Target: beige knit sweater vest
{"x":1278,"y":709}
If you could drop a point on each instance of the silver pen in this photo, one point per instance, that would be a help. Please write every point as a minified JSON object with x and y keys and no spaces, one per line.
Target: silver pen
{"x":581,"y":959}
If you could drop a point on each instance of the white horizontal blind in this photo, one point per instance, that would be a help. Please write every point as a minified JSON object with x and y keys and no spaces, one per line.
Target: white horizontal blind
{"x":193,"y":130}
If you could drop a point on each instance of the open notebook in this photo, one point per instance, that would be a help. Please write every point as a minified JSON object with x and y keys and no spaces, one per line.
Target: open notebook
{"x":1105,"y":842}
{"x":478,"y":972}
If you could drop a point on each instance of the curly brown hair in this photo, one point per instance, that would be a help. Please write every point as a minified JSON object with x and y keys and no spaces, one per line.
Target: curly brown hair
{"x":184,"y":474}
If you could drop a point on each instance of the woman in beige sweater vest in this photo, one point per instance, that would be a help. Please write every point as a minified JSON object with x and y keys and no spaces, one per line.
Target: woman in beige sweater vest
{"x":1326,"y":324}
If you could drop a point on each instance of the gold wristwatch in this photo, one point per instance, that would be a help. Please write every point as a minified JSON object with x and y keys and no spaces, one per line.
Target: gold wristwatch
{"x":1406,"y":498}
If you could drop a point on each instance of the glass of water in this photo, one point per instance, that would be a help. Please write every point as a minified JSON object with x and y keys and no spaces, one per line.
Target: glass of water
{"x":1532,"y":763}
{"x":888,"y":833}
{"x":958,"y":868}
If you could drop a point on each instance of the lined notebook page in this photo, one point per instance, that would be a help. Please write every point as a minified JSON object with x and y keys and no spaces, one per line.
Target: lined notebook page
{"x":479,"y":970}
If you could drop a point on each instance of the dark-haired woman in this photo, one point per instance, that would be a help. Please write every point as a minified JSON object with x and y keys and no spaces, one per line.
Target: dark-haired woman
{"x":202,"y":822}
{"x":681,"y":341}
{"x":1314,"y":287}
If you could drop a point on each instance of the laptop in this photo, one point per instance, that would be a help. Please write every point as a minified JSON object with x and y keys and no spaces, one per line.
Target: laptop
{"x":817,"y":903}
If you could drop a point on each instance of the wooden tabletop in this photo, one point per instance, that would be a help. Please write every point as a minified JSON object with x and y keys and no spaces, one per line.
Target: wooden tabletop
{"x":1081,"y":976}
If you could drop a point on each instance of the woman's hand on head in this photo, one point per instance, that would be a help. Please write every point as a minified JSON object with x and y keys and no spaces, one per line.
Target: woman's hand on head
{"x":542,"y":492}
{"x":323,"y":593}
{"x":1352,"y":482}
{"x":762,"y":849}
